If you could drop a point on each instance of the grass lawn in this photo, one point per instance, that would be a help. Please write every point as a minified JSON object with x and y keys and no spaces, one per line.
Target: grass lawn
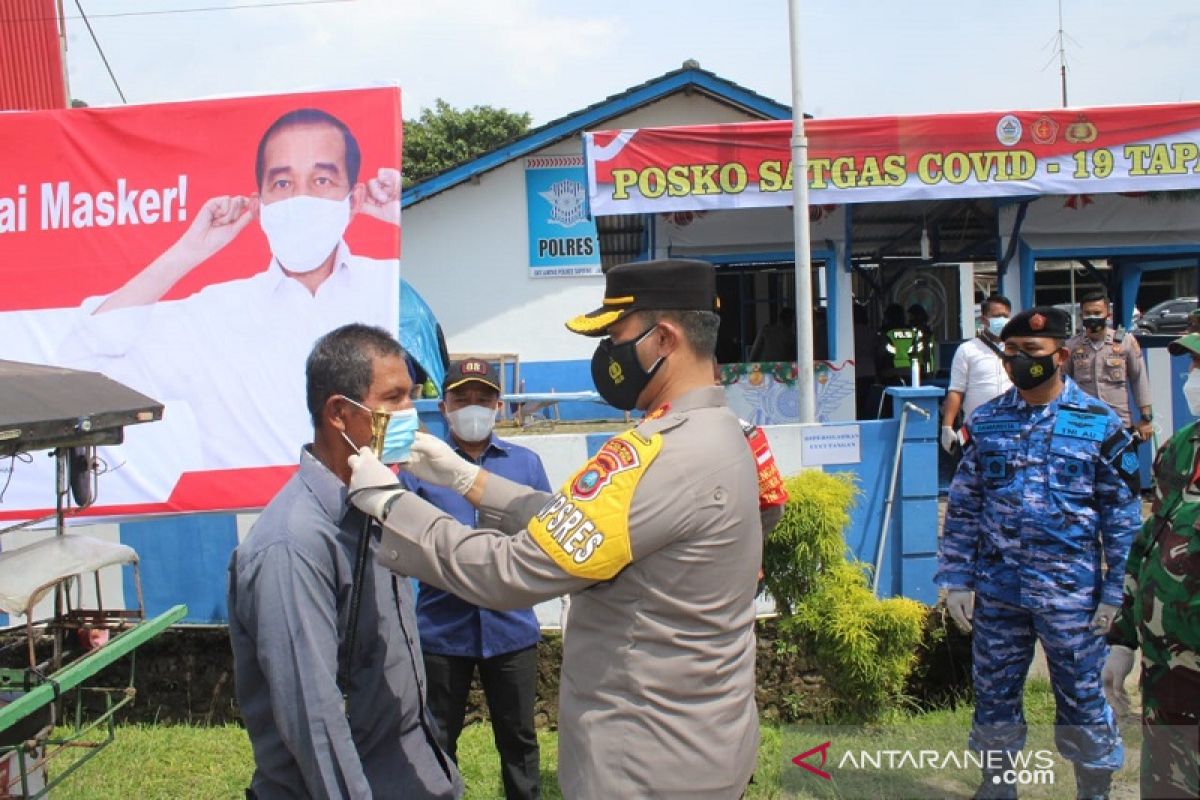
{"x":148,"y":762}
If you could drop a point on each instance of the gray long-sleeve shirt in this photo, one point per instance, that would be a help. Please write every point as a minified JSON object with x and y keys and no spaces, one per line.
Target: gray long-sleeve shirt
{"x":289,"y":599}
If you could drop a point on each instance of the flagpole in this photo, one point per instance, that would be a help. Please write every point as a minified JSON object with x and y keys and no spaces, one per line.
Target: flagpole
{"x":805,"y":384}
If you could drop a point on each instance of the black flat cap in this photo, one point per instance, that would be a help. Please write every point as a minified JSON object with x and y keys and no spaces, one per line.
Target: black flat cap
{"x":1039,"y":321}
{"x":668,"y":284}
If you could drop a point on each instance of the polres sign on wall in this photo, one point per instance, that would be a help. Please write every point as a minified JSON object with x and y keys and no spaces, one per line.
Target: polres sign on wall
{"x":562,"y":238}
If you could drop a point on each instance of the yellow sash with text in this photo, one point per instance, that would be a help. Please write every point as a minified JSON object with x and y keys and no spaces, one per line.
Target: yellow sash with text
{"x":585,"y":526}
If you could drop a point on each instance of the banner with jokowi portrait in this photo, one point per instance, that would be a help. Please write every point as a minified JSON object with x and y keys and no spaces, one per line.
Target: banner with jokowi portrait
{"x":880,"y":159}
{"x":195,"y":251}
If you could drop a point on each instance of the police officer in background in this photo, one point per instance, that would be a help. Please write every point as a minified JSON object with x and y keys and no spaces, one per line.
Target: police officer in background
{"x":1040,"y":496}
{"x":657,"y":537}
{"x":1107,"y":363}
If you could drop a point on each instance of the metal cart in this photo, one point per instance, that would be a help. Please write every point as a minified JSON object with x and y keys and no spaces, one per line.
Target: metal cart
{"x":62,"y":651}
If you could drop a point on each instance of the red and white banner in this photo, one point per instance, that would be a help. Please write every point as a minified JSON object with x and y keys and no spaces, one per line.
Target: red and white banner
{"x":879,"y":159}
{"x":195,"y":251}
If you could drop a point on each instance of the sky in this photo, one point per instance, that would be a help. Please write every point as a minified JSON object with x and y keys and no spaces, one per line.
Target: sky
{"x":858,"y":57}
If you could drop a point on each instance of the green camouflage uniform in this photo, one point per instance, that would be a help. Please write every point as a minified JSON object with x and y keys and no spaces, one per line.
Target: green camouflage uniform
{"x":1160,"y":613}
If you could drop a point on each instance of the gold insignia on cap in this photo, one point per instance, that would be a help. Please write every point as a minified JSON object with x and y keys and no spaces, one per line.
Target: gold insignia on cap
{"x":591,"y":325}
{"x":1037,"y":322}
{"x":618,"y":301}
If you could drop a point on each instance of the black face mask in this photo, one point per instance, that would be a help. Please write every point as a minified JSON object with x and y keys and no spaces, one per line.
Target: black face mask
{"x":1094,"y":324}
{"x":1029,"y":372}
{"x":618,"y":375}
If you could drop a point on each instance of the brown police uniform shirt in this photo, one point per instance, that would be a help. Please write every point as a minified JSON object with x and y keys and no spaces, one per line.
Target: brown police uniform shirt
{"x":1108,"y":369}
{"x":656,"y":696}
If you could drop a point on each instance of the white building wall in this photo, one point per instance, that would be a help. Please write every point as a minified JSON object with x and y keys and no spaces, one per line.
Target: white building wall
{"x":466,"y":251}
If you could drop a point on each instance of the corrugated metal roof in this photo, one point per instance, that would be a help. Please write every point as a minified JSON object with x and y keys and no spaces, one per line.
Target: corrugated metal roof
{"x":31,"y":62}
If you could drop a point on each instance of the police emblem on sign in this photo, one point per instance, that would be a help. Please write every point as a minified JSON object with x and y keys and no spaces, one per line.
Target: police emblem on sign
{"x":566,"y":199}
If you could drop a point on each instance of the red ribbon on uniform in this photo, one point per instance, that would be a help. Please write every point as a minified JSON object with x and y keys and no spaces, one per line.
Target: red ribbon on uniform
{"x":770,"y":481}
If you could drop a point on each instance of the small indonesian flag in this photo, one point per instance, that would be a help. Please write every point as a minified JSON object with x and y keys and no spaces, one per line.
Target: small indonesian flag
{"x":770,"y":482}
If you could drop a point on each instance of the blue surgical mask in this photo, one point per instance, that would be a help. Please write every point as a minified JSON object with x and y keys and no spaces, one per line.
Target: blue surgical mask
{"x":398,"y":437}
{"x":401,"y":432}
{"x":995,"y":325}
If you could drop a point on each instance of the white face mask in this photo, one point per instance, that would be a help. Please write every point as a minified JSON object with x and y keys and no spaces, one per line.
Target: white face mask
{"x":303,"y":230}
{"x":1191,"y":392}
{"x":472,"y":423}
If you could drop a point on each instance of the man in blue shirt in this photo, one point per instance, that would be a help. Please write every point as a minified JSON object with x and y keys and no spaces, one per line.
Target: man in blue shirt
{"x":458,"y":637}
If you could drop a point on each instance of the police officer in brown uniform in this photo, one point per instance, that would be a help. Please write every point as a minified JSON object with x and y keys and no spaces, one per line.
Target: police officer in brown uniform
{"x":657,"y":538}
{"x":1107,"y":363}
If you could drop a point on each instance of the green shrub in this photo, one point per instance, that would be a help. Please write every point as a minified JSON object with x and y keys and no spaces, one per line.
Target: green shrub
{"x":809,"y":536}
{"x":864,"y":647}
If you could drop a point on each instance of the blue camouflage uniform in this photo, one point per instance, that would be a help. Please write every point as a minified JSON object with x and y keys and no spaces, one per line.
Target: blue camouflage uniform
{"x":1039,"y":491}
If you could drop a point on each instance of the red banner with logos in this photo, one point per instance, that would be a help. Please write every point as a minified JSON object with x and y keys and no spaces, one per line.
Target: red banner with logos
{"x":195,"y":251}
{"x":880,"y":159}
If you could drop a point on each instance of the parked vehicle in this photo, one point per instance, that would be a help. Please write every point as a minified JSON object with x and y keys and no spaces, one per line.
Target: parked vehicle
{"x":1169,"y":316}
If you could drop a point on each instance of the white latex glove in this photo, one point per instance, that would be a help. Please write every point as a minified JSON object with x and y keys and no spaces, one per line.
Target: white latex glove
{"x":961,"y":605}
{"x":949,"y":439}
{"x":372,"y":483}
{"x":1102,"y":620}
{"x":434,"y":461}
{"x":1117,"y":667}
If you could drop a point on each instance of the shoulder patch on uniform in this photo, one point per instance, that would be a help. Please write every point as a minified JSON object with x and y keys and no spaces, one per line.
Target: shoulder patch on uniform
{"x":585,"y":526}
{"x":1130,"y":462}
{"x":1114,"y":444}
{"x":1080,"y":424}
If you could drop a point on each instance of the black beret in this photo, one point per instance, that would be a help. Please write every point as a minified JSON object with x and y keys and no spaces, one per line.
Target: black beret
{"x":1039,"y":321}
{"x":679,"y":283}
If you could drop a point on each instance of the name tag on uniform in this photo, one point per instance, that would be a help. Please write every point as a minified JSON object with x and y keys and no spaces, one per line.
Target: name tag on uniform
{"x":996,"y":426}
{"x":1080,"y":425}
